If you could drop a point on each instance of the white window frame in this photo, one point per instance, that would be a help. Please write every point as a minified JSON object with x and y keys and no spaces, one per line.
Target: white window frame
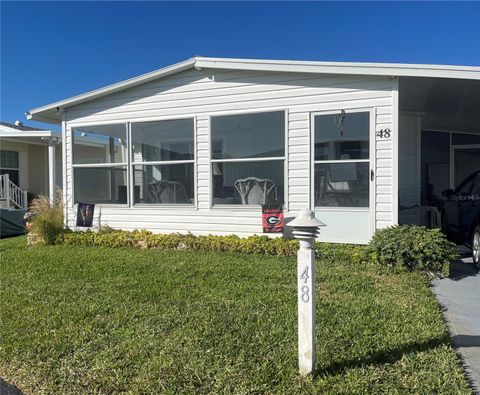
{"x":99,"y":165}
{"x":265,"y":159}
{"x":371,"y":160}
{"x":132,"y":164}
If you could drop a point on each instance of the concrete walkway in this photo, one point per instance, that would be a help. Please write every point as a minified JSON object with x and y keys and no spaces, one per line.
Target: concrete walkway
{"x":459,"y":295}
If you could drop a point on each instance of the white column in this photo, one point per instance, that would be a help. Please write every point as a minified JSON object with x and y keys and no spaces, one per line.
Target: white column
{"x":51,"y":171}
{"x":25,"y":199}
{"x":395,"y":150}
{"x":306,"y":307}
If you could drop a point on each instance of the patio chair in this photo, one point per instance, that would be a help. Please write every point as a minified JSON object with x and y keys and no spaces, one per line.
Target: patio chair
{"x":166,"y":191}
{"x":254,"y":190}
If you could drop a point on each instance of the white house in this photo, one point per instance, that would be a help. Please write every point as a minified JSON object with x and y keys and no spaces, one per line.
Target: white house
{"x":197,"y":146}
{"x":30,"y":164}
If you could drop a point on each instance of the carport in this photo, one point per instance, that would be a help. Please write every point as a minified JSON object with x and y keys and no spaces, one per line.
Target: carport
{"x":439,"y":143}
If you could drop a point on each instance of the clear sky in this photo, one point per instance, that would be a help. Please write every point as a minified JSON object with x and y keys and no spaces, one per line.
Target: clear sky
{"x":54,"y":50}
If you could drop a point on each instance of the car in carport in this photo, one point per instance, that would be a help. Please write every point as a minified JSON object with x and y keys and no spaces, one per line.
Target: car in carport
{"x":461,"y":214}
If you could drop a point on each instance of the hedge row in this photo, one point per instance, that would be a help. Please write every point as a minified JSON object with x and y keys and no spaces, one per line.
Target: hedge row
{"x":233,"y":244}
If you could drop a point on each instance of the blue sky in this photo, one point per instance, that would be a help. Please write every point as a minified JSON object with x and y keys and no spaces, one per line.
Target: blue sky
{"x":54,"y":50}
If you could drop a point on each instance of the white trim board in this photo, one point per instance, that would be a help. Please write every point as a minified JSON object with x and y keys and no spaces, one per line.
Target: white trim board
{"x":52,"y":113}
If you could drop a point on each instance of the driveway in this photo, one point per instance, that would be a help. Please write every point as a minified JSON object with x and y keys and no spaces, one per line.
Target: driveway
{"x":459,"y":295}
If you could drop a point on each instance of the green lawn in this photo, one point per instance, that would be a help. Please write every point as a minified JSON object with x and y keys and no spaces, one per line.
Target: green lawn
{"x":87,"y":320}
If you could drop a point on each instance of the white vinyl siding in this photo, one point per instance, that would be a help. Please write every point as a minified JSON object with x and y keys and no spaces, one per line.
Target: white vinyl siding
{"x":384,"y":167}
{"x":38,"y":169}
{"x":205,"y":93}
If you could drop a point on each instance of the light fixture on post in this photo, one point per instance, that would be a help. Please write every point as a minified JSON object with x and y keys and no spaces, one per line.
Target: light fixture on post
{"x":306,"y":229}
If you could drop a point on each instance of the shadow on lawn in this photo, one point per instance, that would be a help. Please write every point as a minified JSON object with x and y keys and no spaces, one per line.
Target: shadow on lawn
{"x":382,"y":357}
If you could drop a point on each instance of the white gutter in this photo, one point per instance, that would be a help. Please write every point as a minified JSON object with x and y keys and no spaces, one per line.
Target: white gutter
{"x":384,"y":69}
{"x":24,"y":134}
{"x":51,"y":113}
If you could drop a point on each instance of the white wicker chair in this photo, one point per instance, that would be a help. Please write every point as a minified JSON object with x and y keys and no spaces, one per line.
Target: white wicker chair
{"x":165,"y":191}
{"x":254,"y":190}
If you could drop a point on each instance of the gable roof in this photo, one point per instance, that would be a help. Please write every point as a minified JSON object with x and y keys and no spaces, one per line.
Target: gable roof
{"x":52,"y":113}
{"x":19,"y":127}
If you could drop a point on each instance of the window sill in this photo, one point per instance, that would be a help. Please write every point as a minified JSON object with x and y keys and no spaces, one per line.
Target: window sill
{"x":230,"y":207}
{"x":361,"y":209}
{"x":106,"y":205}
{"x":166,"y":206}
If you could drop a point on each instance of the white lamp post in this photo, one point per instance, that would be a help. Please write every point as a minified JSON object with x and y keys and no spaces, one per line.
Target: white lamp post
{"x":305,"y":228}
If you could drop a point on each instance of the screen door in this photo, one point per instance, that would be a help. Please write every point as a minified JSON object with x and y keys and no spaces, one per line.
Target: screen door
{"x":342,"y":175}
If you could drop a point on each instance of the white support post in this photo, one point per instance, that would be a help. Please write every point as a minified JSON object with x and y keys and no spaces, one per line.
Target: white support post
{"x":51,"y":171}
{"x":305,"y":228}
{"x":306,"y":307}
{"x":25,"y":200}
{"x":395,"y":149}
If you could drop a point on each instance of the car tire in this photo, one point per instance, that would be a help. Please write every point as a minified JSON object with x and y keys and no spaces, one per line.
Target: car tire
{"x":476,"y":246}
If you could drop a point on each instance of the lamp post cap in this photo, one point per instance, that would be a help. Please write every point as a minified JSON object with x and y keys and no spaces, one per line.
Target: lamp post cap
{"x":306,"y":219}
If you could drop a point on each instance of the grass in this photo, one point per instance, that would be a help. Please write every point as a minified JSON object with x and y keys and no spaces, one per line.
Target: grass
{"x":78,"y":320}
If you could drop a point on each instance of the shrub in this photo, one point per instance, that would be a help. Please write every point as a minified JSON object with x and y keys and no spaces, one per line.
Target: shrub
{"x":145,"y":239}
{"x":414,"y":247}
{"x":45,"y":220}
{"x":263,"y":245}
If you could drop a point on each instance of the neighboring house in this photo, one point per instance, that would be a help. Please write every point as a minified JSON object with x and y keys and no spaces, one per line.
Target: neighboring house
{"x":198,"y":146}
{"x":25,"y":156}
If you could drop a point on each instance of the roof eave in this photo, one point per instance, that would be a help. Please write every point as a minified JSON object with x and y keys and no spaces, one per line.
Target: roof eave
{"x":52,"y":113}
{"x":393,"y":70}
{"x":43,"y":118}
{"x":32,"y":134}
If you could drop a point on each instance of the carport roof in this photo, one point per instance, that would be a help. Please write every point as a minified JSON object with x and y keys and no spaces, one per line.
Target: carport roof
{"x":26,"y":134}
{"x":52,"y":113}
{"x":18,"y":126}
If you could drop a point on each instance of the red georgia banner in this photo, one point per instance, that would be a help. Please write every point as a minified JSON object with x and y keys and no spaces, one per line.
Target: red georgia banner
{"x":272,"y":218}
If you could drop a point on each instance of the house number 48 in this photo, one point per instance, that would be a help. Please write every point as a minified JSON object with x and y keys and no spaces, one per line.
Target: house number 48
{"x":305,"y":290}
{"x":384,"y":133}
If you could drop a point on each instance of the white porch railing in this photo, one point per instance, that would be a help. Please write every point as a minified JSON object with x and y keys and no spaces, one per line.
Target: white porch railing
{"x":11,"y":193}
